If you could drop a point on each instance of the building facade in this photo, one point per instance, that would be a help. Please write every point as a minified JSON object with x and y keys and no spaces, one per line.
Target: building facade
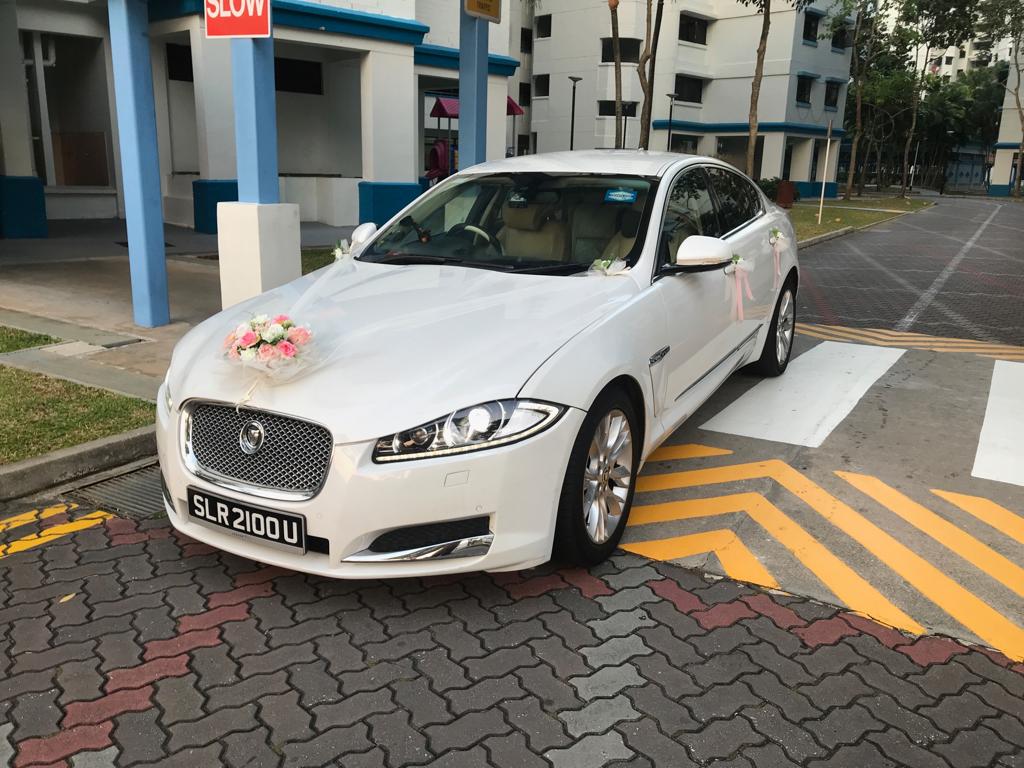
{"x":1004,"y":169}
{"x":354,"y":79}
{"x":705,"y":58}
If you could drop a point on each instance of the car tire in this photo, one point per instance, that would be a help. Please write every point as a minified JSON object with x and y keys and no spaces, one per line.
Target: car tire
{"x":778,"y":346}
{"x":587,"y":531}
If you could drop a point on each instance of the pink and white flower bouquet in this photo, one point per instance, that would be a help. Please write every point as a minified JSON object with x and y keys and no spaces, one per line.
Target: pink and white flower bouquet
{"x":268,"y":343}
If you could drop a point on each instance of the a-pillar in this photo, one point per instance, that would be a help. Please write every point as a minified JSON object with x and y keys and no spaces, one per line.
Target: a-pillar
{"x":215,"y":127}
{"x":257,"y":237}
{"x":386,"y":78}
{"x":773,"y":155}
{"x":472,"y":89}
{"x":22,"y":202}
{"x":140,"y":163}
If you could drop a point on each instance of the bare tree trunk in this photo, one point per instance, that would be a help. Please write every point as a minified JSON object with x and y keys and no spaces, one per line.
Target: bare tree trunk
{"x":914,"y":104}
{"x":879,"y":178}
{"x":864,"y":166}
{"x":649,"y":104}
{"x":645,"y":84}
{"x":858,"y":130}
{"x":755,"y":85}
{"x":613,"y":6}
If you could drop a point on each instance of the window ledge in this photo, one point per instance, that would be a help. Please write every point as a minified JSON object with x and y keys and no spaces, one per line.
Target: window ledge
{"x":838,"y":50}
{"x":695,"y":46}
{"x":811,"y":43}
{"x":831,"y":109}
{"x":803,"y":103}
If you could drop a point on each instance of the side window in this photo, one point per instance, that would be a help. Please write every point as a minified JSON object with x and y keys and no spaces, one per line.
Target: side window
{"x":688,"y":211}
{"x":738,"y":201}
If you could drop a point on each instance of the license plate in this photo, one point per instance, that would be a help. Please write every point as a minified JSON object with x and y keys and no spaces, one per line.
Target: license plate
{"x":280,"y":528}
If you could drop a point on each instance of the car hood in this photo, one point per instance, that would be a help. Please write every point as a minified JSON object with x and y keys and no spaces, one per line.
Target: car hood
{"x":397,"y":346}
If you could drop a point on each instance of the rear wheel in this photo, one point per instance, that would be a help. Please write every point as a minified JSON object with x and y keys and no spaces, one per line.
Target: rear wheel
{"x":599,"y":481}
{"x":779,"y":345}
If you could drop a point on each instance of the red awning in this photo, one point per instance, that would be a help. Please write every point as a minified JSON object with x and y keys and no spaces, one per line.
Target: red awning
{"x":446,"y":106}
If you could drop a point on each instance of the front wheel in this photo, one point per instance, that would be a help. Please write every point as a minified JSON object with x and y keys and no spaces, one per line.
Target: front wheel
{"x":779,"y":345}
{"x":599,"y":481}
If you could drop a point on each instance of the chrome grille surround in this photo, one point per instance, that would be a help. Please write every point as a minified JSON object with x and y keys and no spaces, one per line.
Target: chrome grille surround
{"x":292,"y":465}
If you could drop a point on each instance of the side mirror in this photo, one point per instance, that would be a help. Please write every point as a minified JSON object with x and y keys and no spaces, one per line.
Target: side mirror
{"x":701,"y":251}
{"x":361,"y":235}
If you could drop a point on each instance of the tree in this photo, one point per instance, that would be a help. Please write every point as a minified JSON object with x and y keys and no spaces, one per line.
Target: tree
{"x":763,"y":7}
{"x":613,"y":8}
{"x":645,"y":71}
{"x":1005,"y":18}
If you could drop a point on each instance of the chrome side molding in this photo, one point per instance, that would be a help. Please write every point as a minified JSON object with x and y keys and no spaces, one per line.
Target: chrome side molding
{"x":474,"y":546}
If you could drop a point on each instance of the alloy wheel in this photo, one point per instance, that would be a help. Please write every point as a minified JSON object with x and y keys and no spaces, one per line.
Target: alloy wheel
{"x":608,"y":476}
{"x":784,"y":327}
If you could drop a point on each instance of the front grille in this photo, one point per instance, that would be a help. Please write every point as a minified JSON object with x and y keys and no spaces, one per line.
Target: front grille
{"x":293,"y":458}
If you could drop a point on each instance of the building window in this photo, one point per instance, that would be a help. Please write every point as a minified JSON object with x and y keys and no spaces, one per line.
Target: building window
{"x":840,"y":38}
{"x":606,"y":108}
{"x":179,"y":62}
{"x":542,"y":24}
{"x":541,"y":85}
{"x":298,"y":76}
{"x":963,"y":53}
{"x":689,"y":89}
{"x":949,"y":59}
{"x":831,"y":94}
{"x":524,"y":94}
{"x":692,"y":29}
{"x":526,"y":40}
{"x":803,"y":89}
{"x":811,"y":22}
{"x":629,"y":49}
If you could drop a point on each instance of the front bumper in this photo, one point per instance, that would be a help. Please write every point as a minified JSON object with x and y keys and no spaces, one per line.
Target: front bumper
{"x":516,"y":487}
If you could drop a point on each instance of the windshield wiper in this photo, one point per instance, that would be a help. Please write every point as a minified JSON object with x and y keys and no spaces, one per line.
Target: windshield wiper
{"x":568,"y":268}
{"x":428,"y":258}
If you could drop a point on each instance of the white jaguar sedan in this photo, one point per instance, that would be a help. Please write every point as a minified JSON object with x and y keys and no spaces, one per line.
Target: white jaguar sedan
{"x":489,"y":371}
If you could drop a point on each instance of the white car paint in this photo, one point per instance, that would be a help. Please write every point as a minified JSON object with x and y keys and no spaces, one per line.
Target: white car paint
{"x":420,"y":341}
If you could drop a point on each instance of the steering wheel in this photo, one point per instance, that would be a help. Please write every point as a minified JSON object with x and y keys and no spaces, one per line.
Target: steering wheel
{"x":477,"y":233}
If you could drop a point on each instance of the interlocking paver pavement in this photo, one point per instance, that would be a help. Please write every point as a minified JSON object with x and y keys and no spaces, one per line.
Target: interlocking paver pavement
{"x":129,"y":645}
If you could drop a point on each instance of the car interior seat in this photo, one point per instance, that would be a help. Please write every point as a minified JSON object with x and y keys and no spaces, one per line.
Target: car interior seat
{"x":621,"y":243}
{"x":533,"y":231}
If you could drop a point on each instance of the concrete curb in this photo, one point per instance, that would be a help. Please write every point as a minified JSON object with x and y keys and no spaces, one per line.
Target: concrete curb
{"x":24,"y":478}
{"x":825,"y":237}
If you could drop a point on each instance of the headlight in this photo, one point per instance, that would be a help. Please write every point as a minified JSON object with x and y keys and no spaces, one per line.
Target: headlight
{"x":486,"y":425}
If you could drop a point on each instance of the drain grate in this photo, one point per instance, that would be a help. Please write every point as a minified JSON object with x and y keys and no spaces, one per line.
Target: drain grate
{"x":135,"y":494}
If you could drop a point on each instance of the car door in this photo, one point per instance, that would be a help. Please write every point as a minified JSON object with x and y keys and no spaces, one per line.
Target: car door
{"x":694,"y":304}
{"x":745,"y":228}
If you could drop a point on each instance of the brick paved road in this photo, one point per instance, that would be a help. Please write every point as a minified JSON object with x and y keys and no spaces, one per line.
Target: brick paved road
{"x":125,"y":644}
{"x":967,"y":251}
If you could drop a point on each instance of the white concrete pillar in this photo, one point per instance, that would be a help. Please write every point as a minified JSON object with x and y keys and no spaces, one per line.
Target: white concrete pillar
{"x":773,"y":154}
{"x":1003,"y":167}
{"x":389,"y":143}
{"x":15,"y":125}
{"x":46,"y":133}
{"x":707,"y":145}
{"x":215,"y":115}
{"x":803,"y":157}
{"x":497,"y":120}
{"x":258,"y":245}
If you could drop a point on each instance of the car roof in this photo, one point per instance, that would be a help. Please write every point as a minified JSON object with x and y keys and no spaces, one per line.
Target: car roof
{"x":633,"y":162}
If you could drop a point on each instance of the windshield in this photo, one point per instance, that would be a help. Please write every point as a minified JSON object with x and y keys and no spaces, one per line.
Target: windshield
{"x":522,"y":222}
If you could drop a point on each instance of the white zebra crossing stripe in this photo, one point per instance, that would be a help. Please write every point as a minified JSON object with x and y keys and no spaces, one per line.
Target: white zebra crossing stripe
{"x":1000,"y":454}
{"x":812,"y":398}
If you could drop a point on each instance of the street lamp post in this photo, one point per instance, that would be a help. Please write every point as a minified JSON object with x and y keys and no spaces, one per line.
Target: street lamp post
{"x":572,"y":115}
{"x":671,"y":103}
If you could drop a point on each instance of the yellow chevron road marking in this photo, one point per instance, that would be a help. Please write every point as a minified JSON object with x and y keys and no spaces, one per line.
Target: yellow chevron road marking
{"x":737,"y":561}
{"x":973,"y":613}
{"x":33,"y":515}
{"x":980,"y":555}
{"x":845,"y":583}
{"x":54,"y":532}
{"x":886,"y":338}
{"x":688,"y":451}
{"x":988,"y":512}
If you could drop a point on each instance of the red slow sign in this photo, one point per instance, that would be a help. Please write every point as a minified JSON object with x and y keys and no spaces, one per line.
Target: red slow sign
{"x":237,"y":18}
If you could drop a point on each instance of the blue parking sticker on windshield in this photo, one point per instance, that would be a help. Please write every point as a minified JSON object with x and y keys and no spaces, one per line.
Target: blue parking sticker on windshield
{"x":620,"y":195}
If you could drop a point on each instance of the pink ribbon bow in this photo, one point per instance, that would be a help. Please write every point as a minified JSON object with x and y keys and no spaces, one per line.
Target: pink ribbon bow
{"x":740,"y":286}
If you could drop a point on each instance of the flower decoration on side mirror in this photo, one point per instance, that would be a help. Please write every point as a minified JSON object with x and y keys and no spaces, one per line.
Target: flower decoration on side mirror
{"x":268,"y":343}
{"x":342,"y":250}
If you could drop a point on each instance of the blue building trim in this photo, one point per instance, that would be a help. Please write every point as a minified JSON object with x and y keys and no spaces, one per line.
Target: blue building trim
{"x":805,"y":73}
{"x":306,"y":15}
{"x":840,"y":80}
{"x":252,"y":76}
{"x":473,"y":64}
{"x":813,"y":189}
{"x":999,"y":190}
{"x":206,"y":193}
{"x":380,"y":200}
{"x":22,"y":207}
{"x":1007,"y":145}
{"x":797,"y":128}
{"x":443,"y":57}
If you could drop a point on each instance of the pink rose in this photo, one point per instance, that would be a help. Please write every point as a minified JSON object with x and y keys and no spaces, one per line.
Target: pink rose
{"x":266,"y":353}
{"x":280,"y":319}
{"x":229,"y":340}
{"x":233,"y":353}
{"x":248,"y":339}
{"x":286,"y":348}
{"x":299,"y":335}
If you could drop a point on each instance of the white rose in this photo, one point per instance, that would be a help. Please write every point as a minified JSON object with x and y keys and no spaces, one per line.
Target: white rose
{"x":273,"y":333}
{"x":242,"y":329}
{"x":260,"y":320}
{"x":248,"y":354}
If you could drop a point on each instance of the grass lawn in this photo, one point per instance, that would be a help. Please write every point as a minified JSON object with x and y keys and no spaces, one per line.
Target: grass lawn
{"x":892,"y":203}
{"x":805,"y":219}
{"x":315,"y":258}
{"x":39,"y":413}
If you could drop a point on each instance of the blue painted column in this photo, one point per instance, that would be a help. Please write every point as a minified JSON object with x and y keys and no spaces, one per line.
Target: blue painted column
{"x":252,"y":67}
{"x":140,"y":164}
{"x":472,"y":89}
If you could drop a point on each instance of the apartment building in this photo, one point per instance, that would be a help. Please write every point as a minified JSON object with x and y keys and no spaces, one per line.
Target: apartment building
{"x":706,"y":61}
{"x":1003,"y":173}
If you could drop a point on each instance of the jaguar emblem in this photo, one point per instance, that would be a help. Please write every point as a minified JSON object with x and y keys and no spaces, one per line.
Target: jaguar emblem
{"x":251,"y":438}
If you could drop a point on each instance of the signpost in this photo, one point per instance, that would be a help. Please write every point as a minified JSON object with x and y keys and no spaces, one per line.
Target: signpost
{"x":237,"y":18}
{"x":489,"y":10}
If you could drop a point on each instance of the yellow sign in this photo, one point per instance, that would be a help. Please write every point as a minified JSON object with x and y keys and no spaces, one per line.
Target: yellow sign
{"x":484,"y":9}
